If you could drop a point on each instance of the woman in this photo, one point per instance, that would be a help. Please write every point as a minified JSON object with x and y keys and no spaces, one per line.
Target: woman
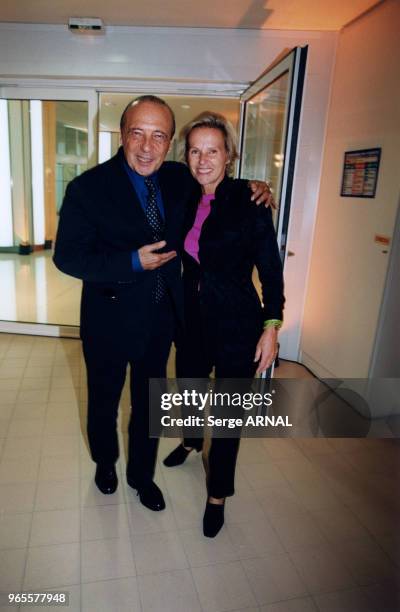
{"x":226,"y":326}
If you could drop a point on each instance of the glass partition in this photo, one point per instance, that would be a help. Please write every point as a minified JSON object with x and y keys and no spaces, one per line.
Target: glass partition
{"x":44,"y":145}
{"x":264,"y":140}
{"x":185,"y":109}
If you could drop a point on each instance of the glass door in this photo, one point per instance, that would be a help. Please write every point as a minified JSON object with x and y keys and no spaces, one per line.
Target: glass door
{"x":46,"y":139}
{"x":270,"y":114}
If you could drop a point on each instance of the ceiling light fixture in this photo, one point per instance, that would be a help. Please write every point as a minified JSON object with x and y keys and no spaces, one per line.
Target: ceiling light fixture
{"x":85,"y":25}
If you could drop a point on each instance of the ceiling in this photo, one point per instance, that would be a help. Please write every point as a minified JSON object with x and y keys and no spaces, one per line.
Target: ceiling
{"x":258,"y":14}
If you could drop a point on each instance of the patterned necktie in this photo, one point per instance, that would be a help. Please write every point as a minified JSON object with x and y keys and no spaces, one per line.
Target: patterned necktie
{"x":156,"y":223}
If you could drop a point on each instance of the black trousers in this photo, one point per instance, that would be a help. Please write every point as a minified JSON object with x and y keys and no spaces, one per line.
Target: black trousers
{"x":106,"y":373}
{"x":210,"y":342}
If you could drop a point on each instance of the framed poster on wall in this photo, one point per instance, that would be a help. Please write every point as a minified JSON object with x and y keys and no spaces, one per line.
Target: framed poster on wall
{"x":360,"y":173}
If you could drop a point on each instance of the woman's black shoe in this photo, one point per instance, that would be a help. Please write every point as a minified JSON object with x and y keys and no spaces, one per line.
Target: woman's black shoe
{"x":213,"y":519}
{"x":178,"y":456}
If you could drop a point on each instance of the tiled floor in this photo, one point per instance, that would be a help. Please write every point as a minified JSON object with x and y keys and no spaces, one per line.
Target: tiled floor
{"x":314,"y":525}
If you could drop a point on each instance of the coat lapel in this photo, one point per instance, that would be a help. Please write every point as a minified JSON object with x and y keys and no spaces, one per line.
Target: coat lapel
{"x":126,"y":201}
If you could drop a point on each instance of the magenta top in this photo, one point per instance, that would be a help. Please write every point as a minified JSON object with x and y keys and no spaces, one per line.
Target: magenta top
{"x":192,"y":239}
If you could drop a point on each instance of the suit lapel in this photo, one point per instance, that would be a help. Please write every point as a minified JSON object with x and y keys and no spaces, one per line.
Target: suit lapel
{"x":126,"y":201}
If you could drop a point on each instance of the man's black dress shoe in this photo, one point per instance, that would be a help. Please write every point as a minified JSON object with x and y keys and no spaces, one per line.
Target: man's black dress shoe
{"x":106,"y":478}
{"x":149,"y":495}
{"x":178,"y":456}
{"x":213,"y":519}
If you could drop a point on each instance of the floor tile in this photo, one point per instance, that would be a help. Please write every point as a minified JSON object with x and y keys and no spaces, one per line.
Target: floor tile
{"x":391,"y":545}
{"x":51,"y":566}
{"x":158,"y":552}
{"x":274,"y":578}
{"x":305,"y":604}
{"x":339,"y":524}
{"x":223,"y":587}
{"x":30,"y":396}
{"x":297,"y":470}
{"x":188,"y":509}
{"x":141,"y":520}
{"x":255,"y":539}
{"x":57,"y":468}
{"x":12,"y":563}
{"x":378,"y":518}
{"x":10,"y":384}
{"x":23,"y":469}
{"x":91,"y":496}
{"x":252,"y":451}
{"x":55,"y":527}
{"x":316,"y":495}
{"x":344,"y":601}
{"x":56,"y":426}
{"x":14,"y":530}
{"x":242,"y":507}
{"x":298,"y":531}
{"x":106,"y":559}
{"x":17,"y":497}
{"x":321,"y":570}
{"x":26,"y":427}
{"x":102,"y":522}
{"x":168,"y":592}
{"x":8,"y":396}
{"x":60,"y":446}
{"x":262,"y":475}
{"x":366,"y":561}
{"x":205,"y":551}
{"x":35,"y":383}
{"x":11,"y":372}
{"x":120,"y":595}
{"x":57,"y":495}
{"x":279,"y":500}
{"x":15,"y":448}
{"x":385,"y":596}
{"x":315,"y":446}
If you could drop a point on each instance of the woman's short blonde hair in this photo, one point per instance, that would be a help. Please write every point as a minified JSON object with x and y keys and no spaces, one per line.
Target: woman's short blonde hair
{"x":209,"y":119}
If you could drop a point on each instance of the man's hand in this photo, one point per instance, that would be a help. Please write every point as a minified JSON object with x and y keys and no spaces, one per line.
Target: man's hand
{"x":150,"y":260}
{"x":267,"y":348}
{"x":262,"y":193}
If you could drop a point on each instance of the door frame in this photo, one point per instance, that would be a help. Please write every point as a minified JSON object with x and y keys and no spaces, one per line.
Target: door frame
{"x":295,"y":64}
{"x":58,"y":94}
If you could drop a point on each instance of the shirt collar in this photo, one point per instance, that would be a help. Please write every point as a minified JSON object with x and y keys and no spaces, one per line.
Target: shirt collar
{"x":138,"y":180}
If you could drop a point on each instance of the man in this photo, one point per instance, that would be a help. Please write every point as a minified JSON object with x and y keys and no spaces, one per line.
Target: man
{"x":119,"y":231}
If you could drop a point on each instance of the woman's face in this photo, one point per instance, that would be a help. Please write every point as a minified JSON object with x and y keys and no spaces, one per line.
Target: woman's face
{"x":207,"y":157}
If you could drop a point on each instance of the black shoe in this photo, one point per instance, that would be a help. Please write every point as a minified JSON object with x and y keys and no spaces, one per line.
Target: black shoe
{"x":149,"y":495}
{"x":178,"y":456}
{"x":213,"y":519}
{"x":106,"y":478}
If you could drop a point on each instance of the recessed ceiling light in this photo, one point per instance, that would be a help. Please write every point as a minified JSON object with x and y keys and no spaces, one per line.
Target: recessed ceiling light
{"x":185,"y":106}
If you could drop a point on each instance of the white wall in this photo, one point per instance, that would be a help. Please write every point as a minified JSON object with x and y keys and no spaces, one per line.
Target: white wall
{"x":184,"y":60}
{"x":348,"y":269}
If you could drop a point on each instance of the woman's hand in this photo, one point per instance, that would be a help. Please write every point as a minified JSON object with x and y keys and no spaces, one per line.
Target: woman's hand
{"x":266,"y":349}
{"x":262,"y":193}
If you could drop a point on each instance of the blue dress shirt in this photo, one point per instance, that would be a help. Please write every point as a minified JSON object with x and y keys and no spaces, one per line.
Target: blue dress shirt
{"x":140,"y":188}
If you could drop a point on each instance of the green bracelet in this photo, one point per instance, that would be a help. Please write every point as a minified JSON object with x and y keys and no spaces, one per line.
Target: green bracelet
{"x":277,"y":323}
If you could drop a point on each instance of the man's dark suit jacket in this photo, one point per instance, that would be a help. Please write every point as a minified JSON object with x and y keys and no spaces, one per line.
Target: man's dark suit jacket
{"x":101,"y":223}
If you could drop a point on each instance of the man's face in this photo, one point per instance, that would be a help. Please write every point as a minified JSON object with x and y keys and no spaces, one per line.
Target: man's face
{"x":146,"y":136}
